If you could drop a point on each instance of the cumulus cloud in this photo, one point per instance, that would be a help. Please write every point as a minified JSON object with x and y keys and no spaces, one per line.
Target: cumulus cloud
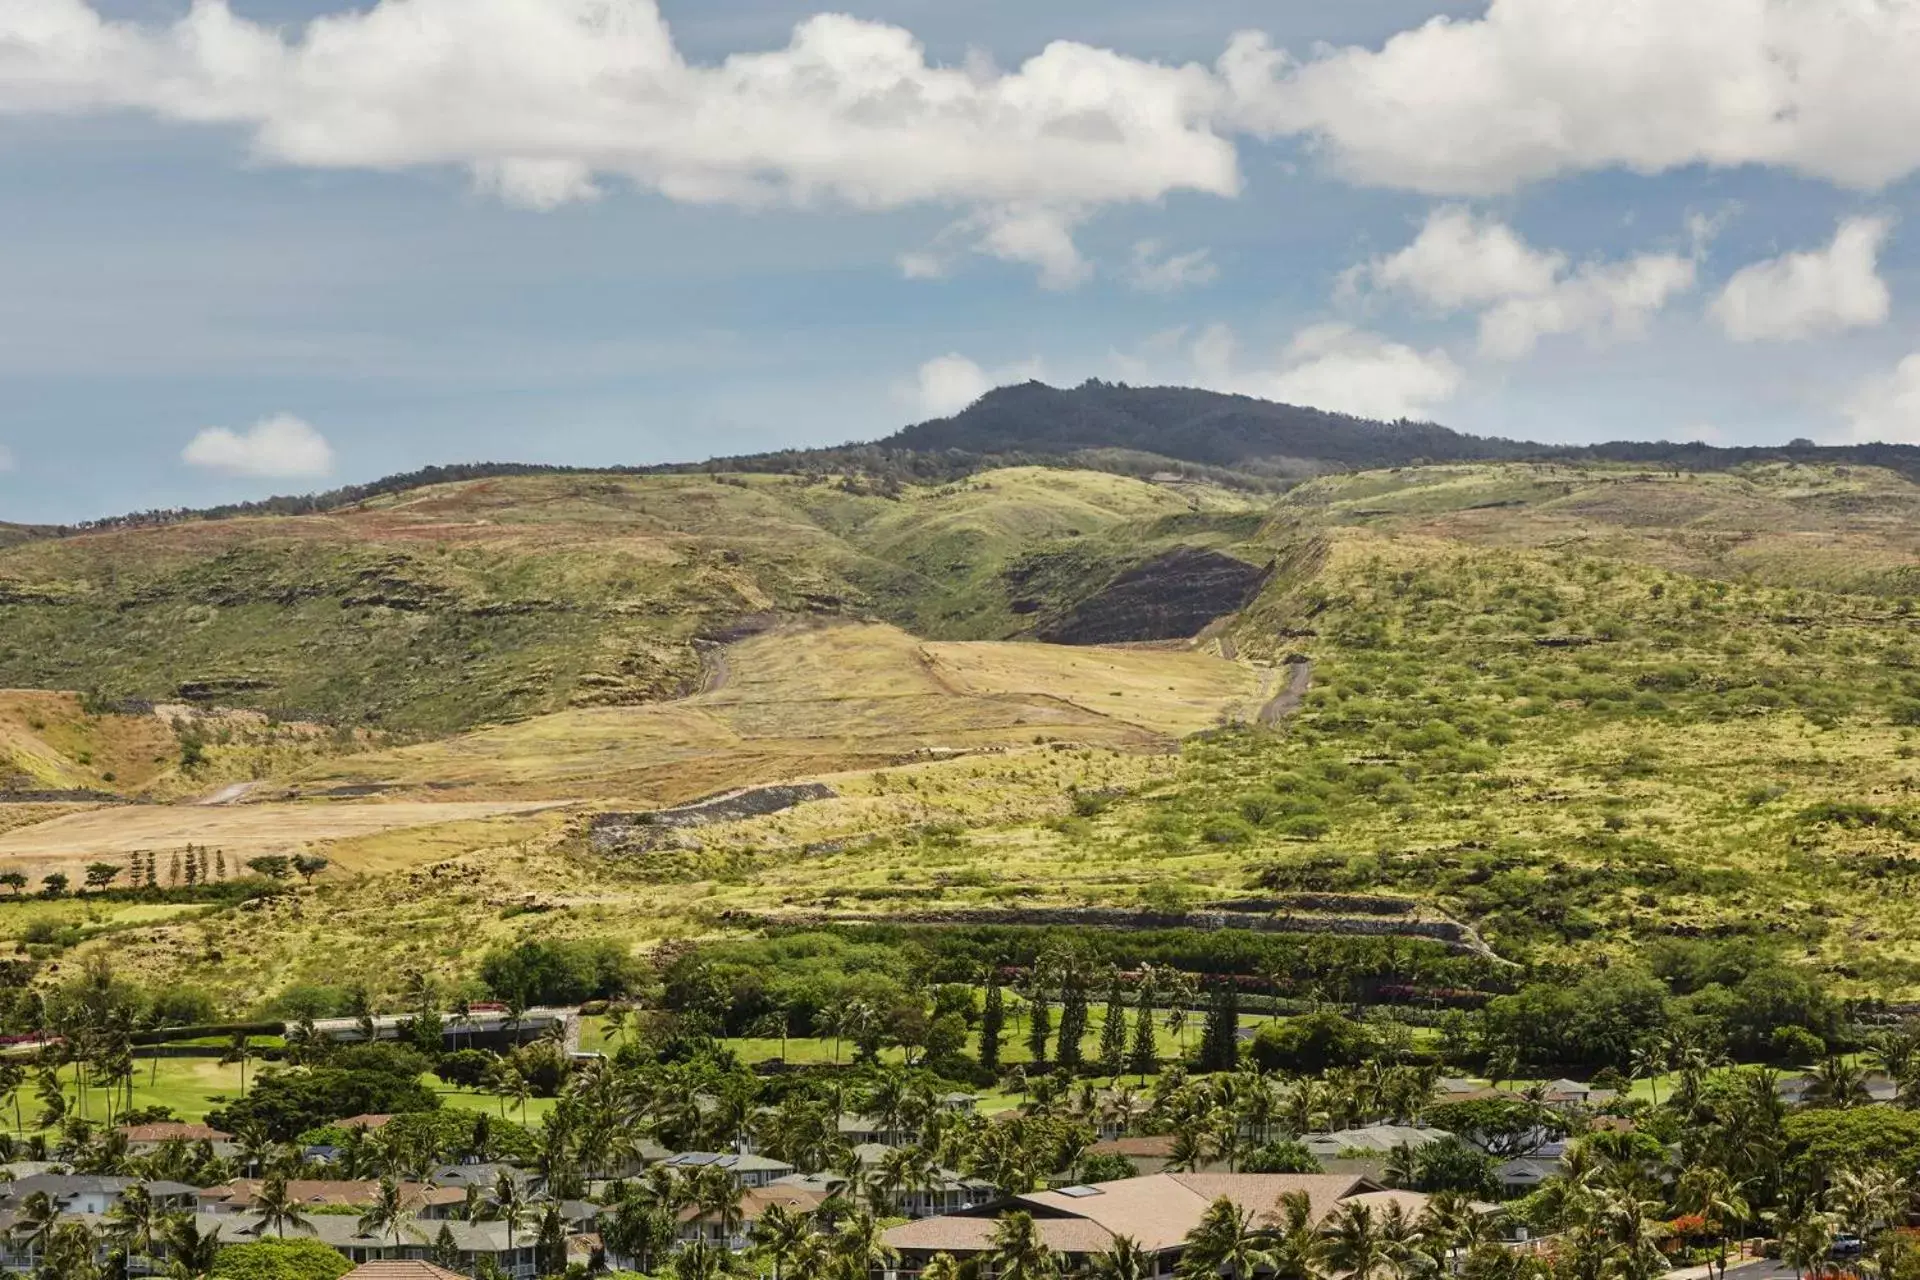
{"x":1335,"y":367}
{"x":1461,"y":262}
{"x":541,"y":100}
{"x":1801,"y":295}
{"x":1151,"y":270}
{"x":1887,"y":409}
{"x":1538,"y":88}
{"x":279,"y":447}
{"x":947,"y":384}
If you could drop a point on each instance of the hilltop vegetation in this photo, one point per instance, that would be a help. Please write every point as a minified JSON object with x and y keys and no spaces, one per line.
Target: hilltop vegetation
{"x":1559,"y":710}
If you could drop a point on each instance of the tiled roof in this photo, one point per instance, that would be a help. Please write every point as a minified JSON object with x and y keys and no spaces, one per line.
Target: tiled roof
{"x":401,"y":1271}
{"x":957,"y":1235}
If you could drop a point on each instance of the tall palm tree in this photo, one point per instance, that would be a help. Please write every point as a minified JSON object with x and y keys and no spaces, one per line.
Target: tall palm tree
{"x":942,"y":1266}
{"x":135,"y":1222}
{"x":1226,"y":1243}
{"x":1711,"y":1192}
{"x":858,"y":1249}
{"x":1018,"y":1252}
{"x":510,"y":1204}
{"x":277,"y":1207}
{"x":1805,"y":1242}
{"x":386,"y":1213}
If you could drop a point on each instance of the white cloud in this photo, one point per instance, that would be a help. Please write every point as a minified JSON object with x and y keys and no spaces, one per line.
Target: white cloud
{"x":541,"y":99}
{"x":947,"y":384}
{"x":1334,"y":367}
{"x":1800,"y":295}
{"x":1888,"y":408}
{"x":1460,"y":262}
{"x":1153,"y":271}
{"x":278,"y":447}
{"x":1537,"y":88}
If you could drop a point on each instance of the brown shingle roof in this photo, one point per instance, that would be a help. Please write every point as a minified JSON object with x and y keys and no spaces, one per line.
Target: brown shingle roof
{"x":1156,"y":1146}
{"x":401,"y":1271}
{"x":957,"y":1235}
{"x":173,"y":1130}
{"x":755,"y":1201}
{"x":240,"y":1193}
{"x":1157,"y":1212}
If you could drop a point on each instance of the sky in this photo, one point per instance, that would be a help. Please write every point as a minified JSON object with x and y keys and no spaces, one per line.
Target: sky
{"x":272,"y":246}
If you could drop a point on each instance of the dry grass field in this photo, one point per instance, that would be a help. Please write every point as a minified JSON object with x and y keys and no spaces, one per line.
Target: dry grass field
{"x":806,"y":701}
{"x":111,"y":833}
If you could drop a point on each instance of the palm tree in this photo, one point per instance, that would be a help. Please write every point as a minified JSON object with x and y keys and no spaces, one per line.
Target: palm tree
{"x":387,"y":1213}
{"x":134,"y":1222}
{"x":1019,"y":1253}
{"x":190,"y":1255}
{"x":1838,"y":1083}
{"x":942,"y":1266}
{"x":1124,"y":1260}
{"x":509,"y":1204}
{"x":1225,"y":1243}
{"x":240,"y":1050}
{"x":1805,"y":1242}
{"x":34,"y":1222}
{"x":782,"y":1235}
{"x":277,"y":1208}
{"x":1353,"y":1244}
{"x":1711,"y":1192}
{"x":857,"y":1249}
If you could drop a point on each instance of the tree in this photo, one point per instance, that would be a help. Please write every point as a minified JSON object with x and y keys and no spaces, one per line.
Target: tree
{"x":276,"y":1207}
{"x":509,"y":1204}
{"x":386,"y":1212}
{"x":309,"y":865}
{"x":134,"y":1222}
{"x":101,"y":874}
{"x":1125,"y":1260}
{"x":274,"y":866}
{"x":993,"y":1019}
{"x":54,"y":885}
{"x":239,"y":1049}
{"x":1018,"y":1252}
{"x":1113,"y":1029}
{"x":1352,"y":1244}
{"x":15,"y":881}
{"x":1220,"y":1044}
{"x":1225,"y":1243}
{"x":1143,"y":1058}
{"x":1039,"y":1027}
{"x":190,"y":1255}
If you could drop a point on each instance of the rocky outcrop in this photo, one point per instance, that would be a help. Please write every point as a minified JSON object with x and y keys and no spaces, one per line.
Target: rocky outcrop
{"x":622,"y":832}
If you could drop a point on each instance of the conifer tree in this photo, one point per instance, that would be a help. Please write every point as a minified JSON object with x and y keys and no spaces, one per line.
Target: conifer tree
{"x":1039,"y":1027}
{"x":993,"y":1021}
{"x":1113,"y":1032}
{"x":1143,"y":1059}
{"x":1220,"y":1043}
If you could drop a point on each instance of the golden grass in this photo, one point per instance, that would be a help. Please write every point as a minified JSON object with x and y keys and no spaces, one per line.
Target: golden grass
{"x":240,"y":831}
{"x":805,"y":701}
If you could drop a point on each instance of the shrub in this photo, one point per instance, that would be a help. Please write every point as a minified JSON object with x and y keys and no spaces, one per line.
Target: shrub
{"x":279,"y":1260}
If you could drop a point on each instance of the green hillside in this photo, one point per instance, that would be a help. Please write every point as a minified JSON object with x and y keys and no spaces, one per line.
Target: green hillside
{"x":442,"y":608}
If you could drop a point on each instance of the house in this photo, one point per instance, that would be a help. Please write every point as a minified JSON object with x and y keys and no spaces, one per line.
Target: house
{"x":87,"y":1194}
{"x":1158,"y":1213}
{"x":414,"y":1240}
{"x":240,"y":1195}
{"x":1378,"y":1139}
{"x":748,"y":1171}
{"x":948,"y":1191}
{"x":754,"y":1203}
{"x":481,"y":1027}
{"x":143,"y":1138}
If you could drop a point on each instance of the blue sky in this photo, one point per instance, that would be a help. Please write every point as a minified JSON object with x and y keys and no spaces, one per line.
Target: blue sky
{"x":240,"y":256}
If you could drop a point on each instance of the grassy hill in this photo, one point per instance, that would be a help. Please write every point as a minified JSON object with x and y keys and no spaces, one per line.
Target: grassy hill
{"x":439,"y":609}
{"x":1574,"y":705}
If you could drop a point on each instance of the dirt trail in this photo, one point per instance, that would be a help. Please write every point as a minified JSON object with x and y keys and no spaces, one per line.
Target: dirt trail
{"x":1289,"y":699}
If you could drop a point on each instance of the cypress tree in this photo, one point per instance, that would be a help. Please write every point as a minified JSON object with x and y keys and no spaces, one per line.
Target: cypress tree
{"x":1113,"y":1032}
{"x":1073,"y":1017}
{"x":993,"y":1020}
{"x":1220,"y":1043}
{"x":193,"y":868}
{"x":173,"y":870}
{"x":1039,"y":1027}
{"x":1144,"y":1057}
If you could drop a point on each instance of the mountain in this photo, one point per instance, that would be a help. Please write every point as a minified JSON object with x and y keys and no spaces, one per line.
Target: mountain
{"x":1193,"y":426}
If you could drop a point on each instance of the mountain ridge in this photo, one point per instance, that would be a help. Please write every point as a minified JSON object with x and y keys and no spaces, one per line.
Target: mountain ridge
{"x":1036,"y":423}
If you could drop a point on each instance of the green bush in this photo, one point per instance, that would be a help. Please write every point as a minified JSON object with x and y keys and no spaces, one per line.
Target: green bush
{"x":279,"y":1260}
